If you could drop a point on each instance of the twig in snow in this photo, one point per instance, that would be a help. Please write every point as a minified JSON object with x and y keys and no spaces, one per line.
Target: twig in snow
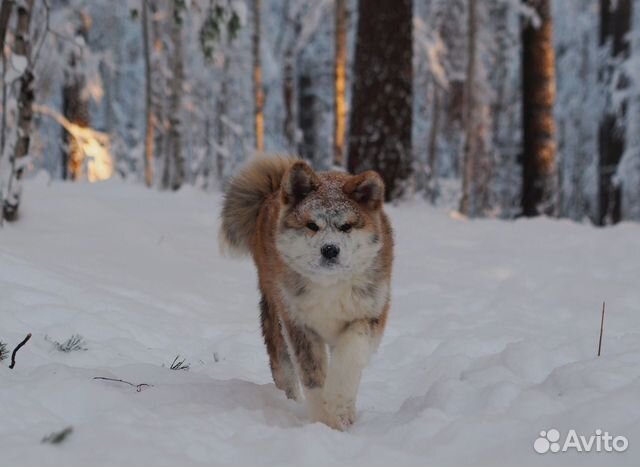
{"x":601,"y":330}
{"x":115,"y":380}
{"x":179,"y":364}
{"x":18,"y":347}
{"x":58,"y":437}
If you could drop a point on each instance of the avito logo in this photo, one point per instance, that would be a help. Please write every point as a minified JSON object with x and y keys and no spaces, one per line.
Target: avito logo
{"x":600,"y":441}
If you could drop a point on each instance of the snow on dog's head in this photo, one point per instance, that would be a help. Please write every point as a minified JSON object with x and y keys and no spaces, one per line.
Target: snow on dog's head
{"x":330,"y":222}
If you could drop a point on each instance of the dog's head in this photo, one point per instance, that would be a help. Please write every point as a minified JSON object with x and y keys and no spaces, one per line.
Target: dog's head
{"x":330,"y":222}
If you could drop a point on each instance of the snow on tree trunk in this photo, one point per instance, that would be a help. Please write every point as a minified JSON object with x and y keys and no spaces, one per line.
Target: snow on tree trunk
{"x":150,"y":123}
{"x":258,"y":91}
{"x":615,"y":24}
{"x":174,"y":158}
{"x":22,"y":48}
{"x":159,"y":83}
{"x":504,"y":108}
{"x":381,"y":119}
{"x":221,"y":114}
{"x":629,"y":166}
{"x":454,"y":37}
{"x":478,"y":164}
{"x":5,"y":15}
{"x":340,"y":82}
{"x":538,"y":124}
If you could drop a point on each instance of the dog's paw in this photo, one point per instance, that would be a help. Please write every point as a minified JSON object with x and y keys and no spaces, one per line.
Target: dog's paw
{"x":339,"y":414}
{"x":340,"y":422}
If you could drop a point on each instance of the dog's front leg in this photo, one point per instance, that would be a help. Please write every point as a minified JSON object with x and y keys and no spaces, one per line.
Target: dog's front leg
{"x":349,"y":356}
{"x":311,"y":359}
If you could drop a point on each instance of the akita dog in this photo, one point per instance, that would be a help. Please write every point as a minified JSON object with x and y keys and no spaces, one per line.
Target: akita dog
{"x":323,"y":247}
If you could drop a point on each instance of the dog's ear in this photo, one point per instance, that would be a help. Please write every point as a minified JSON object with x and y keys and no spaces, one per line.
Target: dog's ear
{"x":366,"y":188}
{"x":298,"y":182}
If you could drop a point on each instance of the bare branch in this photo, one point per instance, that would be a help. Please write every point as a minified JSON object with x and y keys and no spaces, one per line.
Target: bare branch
{"x":48,"y":30}
{"x":115,"y":380}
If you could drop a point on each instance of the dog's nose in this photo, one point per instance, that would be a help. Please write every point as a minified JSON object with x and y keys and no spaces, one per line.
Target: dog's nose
{"x":330,"y":251}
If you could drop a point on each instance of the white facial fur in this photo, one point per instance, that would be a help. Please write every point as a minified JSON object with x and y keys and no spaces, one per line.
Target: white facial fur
{"x":301,"y":248}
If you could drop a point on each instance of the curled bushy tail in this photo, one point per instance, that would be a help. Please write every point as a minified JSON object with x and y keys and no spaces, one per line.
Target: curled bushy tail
{"x":245,"y":195}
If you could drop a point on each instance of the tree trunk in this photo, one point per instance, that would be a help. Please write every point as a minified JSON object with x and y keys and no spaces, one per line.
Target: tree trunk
{"x":452,"y":30}
{"x":288,"y":91}
{"x":538,"y":96}
{"x":75,"y":105}
{"x":432,"y":155}
{"x":615,"y":25}
{"x":470,"y":151}
{"x":340,"y":83}
{"x":207,"y":163}
{"x":5,"y":15}
{"x":381,"y":120}
{"x":150,"y":123}
{"x":158,"y":84}
{"x":307,"y":117}
{"x":26,"y":97}
{"x":289,"y":74}
{"x":175,"y":178}
{"x":221,"y":114}
{"x":258,"y":91}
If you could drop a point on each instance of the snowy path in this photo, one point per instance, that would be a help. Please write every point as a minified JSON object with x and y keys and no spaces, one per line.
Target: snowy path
{"x":492,"y":338}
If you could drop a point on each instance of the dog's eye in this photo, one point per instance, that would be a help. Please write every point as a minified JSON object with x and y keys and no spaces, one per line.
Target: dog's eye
{"x":346,"y":228}
{"x":313,"y":226}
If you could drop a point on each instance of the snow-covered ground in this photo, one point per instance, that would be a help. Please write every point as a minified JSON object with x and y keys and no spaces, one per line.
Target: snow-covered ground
{"x":492,"y":338}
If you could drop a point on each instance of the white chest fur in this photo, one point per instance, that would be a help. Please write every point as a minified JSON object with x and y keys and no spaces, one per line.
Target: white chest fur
{"x":327,"y":309}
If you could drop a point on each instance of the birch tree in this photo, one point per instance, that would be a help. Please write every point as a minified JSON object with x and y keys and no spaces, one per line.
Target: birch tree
{"x":22,"y":48}
{"x":5,"y":15}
